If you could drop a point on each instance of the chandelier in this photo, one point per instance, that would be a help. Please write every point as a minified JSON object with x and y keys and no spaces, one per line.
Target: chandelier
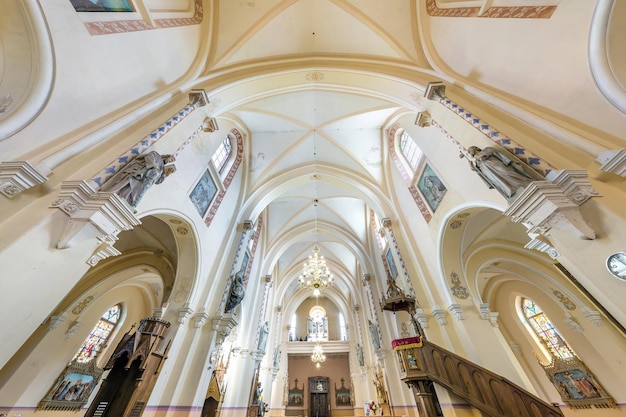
{"x":318,"y":355}
{"x":315,"y":273}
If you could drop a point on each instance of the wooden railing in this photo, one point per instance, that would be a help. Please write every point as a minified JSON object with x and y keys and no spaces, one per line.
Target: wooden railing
{"x":487,"y":391}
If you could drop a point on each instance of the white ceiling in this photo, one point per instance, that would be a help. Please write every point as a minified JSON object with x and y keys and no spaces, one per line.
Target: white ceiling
{"x":314,"y":107}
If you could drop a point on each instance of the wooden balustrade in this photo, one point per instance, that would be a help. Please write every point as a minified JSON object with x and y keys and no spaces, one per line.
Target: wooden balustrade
{"x":487,"y":391}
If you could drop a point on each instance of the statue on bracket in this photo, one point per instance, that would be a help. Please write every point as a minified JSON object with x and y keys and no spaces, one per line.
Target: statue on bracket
{"x":133,"y":181}
{"x":501,"y":170}
{"x":237,"y":292}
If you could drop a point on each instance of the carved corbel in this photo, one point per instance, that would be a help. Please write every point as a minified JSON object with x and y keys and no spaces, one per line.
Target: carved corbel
{"x":421,"y":317}
{"x":56,"y":321}
{"x":435,"y":90}
{"x":223,"y":325}
{"x":440,"y":315}
{"x":19,"y":176}
{"x":91,"y":214}
{"x":104,"y":250}
{"x":199,"y":319}
{"x":538,"y":243}
{"x":198,"y":98}
{"x":456,"y":311}
{"x":543,"y":206}
{"x":574,"y":183}
{"x":184,"y":312}
{"x":210,"y":125}
{"x":423,"y":119}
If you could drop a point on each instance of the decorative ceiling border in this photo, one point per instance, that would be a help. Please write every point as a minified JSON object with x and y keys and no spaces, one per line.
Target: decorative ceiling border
{"x":122,"y":26}
{"x":515,"y":12}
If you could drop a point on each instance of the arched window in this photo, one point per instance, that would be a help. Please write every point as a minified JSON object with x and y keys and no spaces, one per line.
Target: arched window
{"x":545,"y":330}
{"x":292,"y":327}
{"x":221,"y":155}
{"x":409,"y":150}
{"x":342,"y":328}
{"x":99,"y":335}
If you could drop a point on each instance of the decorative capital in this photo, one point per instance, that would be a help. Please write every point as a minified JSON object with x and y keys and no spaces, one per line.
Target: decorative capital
{"x":56,"y":321}
{"x":19,"y":176}
{"x":385,"y":223}
{"x":223,"y":324}
{"x":91,"y":214}
{"x":210,"y":125}
{"x":435,"y":90}
{"x":423,"y":119}
{"x":440,"y":315}
{"x":183,"y":313}
{"x":542,"y":206}
{"x":613,"y":161}
{"x":539,"y":243}
{"x":367,"y":280}
{"x":198,"y":98}
{"x":456,"y":311}
{"x":104,"y":250}
{"x":199,"y":319}
{"x":421,"y":317}
{"x":594,"y":317}
{"x":267,"y":279}
{"x":248,"y":225}
{"x":574,"y":183}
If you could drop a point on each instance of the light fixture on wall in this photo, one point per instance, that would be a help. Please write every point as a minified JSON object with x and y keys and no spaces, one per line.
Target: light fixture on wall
{"x":318,"y":355}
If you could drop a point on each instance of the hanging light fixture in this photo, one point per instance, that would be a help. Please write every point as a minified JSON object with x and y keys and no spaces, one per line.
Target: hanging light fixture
{"x":318,"y":355}
{"x":315,"y":272}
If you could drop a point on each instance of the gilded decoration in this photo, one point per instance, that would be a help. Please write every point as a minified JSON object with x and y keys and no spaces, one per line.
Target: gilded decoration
{"x":458,"y":290}
{"x":569,"y":304}
{"x":81,"y":306}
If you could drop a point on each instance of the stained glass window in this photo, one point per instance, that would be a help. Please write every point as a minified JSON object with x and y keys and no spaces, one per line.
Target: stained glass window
{"x":410,"y":151}
{"x":99,"y":335}
{"x":222,"y":154}
{"x":545,"y":330}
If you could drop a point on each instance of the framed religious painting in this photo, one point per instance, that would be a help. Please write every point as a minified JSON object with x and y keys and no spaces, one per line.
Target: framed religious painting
{"x":102,"y":5}
{"x":203,"y":193}
{"x":296,"y":396}
{"x":72,"y":388}
{"x":393,"y":270}
{"x":431,"y":187}
{"x":577,"y":385}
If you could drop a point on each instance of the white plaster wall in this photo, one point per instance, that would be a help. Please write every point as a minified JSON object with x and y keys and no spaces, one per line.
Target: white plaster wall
{"x":99,"y":77}
{"x":543,"y":61}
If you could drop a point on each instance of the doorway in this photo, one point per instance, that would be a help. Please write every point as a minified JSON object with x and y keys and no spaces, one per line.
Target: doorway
{"x":319,"y":406}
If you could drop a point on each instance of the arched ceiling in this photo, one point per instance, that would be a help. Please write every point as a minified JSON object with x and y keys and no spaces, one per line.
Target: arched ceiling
{"x":313,"y":83}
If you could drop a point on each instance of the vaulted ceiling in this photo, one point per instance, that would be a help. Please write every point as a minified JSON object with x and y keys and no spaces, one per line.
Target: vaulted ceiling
{"x":317,"y":80}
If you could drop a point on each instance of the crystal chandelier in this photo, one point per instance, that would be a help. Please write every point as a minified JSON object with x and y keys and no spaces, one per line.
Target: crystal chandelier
{"x":318,"y":355}
{"x":315,"y":273}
